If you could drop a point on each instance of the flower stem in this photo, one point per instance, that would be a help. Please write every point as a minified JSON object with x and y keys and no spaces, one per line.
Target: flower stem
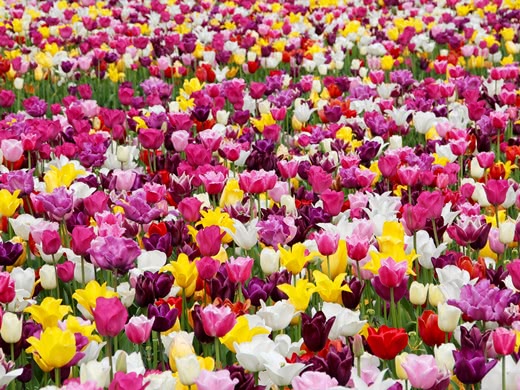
{"x":57,"y":377}
{"x":217,"y":353}
{"x":392,"y":308}
{"x":110,"y":358}
{"x":503,"y":373}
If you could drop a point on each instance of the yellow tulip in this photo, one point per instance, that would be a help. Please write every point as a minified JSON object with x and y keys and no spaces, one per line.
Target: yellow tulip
{"x":299,"y":295}
{"x":49,"y":312}
{"x":337,"y":261}
{"x":63,"y":176}
{"x":218,"y":218}
{"x":242,"y":332}
{"x":232,"y":194}
{"x":85,"y":328}
{"x":9,"y":203}
{"x":295,"y":259}
{"x":93,"y":290}
{"x":54,"y":349}
{"x":330,"y":291}
{"x":185,"y":273}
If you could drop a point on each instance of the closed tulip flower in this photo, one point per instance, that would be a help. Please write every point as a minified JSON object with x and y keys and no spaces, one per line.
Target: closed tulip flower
{"x":386,"y":342}
{"x":418,"y":293}
{"x":217,"y":321}
{"x":138,"y":329}
{"x":110,"y":316}
{"x":11,"y":329}
{"x":448,"y":317}
{"x":188,"y":369}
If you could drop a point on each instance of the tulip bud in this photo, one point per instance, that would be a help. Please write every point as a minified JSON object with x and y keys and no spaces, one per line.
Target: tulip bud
{"x":435,"y":295}
{"x":123,"y":153}
{"x":188,"y":369}
{"x":264,"y":107}
{"x":506,"y":232}
{"x":357,"y":345}
{"x":418,"y":293}
{"x":269,"y":261}
{"x":222,"y":117}
{"x":448,"y":317}
{"x":18,"y":83}
{"x":11,"y":330}
{"x":400,"y":359}
{"x":48,"y":277}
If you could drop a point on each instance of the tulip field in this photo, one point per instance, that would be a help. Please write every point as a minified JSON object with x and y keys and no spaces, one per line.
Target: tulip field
{"x":259,"y":194}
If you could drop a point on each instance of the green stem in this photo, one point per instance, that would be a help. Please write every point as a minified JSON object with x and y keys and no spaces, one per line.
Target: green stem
{"x":57,"y":377}
{"x":328,"y":268}
{"x":57,"y":278}
{"x":392,"y":308}
{"x":110,"y":358}
{"x":503,"y":373}
{"x":362,"y":300}
{"x":217,"y":353}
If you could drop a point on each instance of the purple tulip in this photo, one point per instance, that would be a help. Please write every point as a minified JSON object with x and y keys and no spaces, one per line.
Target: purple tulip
{"x":164,"y":316}
{"x":114,"y":253}
{"x":471,"y":365}
{"x":315,"y":330}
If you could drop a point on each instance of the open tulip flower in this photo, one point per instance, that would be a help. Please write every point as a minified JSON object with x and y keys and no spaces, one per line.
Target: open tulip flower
{"x":250,"y":194}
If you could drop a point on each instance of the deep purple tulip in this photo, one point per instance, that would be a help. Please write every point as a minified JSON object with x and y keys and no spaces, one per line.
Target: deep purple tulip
{"x":339,"y":364}
{"x":164,"y":316}
{"x":9,"y":252}
{"x":256,"y":290}
{"x":315,"y":330}
{"x":471,"y":365}
{"x":352,"y":298}
{"x":221,"y":287}
{"x":152,"y":286}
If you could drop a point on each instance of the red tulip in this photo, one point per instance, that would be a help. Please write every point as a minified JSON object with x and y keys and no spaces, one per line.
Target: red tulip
{"x":386,"y":342}
{"x":429,"y":329}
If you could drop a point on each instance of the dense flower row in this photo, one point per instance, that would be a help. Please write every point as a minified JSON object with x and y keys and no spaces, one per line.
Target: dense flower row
{"x":308,"y":194}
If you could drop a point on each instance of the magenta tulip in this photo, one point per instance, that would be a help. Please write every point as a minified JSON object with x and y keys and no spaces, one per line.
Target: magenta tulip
{"x":110,"y":316}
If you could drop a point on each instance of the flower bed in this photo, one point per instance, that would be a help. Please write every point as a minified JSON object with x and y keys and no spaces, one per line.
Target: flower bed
{"x":253,"y":195}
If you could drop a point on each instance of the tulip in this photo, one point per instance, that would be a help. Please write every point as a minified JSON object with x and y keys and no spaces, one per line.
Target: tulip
{"x":48,"y":278}
{"x":95,"y":371}
{"x":54,"y":349}
{"x":138,"y":329}
{"x":217,"y":321}
{"x":190,"y":208}
{"x":385,"y":342}
{"x":421,"y":370}
{"x":277,"y":316}
{"x":209,"y":240}
{"x":429,"y":329}
{"x":471,"y":365}
{"x":110,"y":316}
{"x":164,"y":317}
{"x":253,"y":355}
{"x":130,"y":381}
{"x":514,"y":270}
{"x":188,"y":369}
{"x":418,"y":293}
{"x":269,"y":260}
{"x":504,"y":341}
{"x":11,"y":329}
{"x":209,"y":380}
{"x":448,"y":317}
{"x":315,"y":330}
{"x":444,"y":356}
{"x":313,"y":380}
{"x":239,"y":269}
{"x":9,"y":202}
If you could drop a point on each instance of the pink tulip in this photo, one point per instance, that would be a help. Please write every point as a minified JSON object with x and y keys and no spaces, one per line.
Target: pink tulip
{"x":327,"y":242}
{"x":319,"y":179}
{"x":257,"y":182}
{"x":217,"y":321}
{"x":514,"y":271}
{"x":332,"y":201}
{"x":12,"y":149}
{"x":65,"y":271}
{"x":210,"y":380}
{"x":496,"y":191}
{"x":209,"y":240}
{"x":110,"y":316}
{"x":138,"y":329}
{"x":7,"y":288}
{"x":392,"y":273}
{"x":190,"y":209}
{"x":239,"y":269}
{"x":504,"y":341}
{"x":313,"y":380}
{"x":207,"y":267}
{"x":422,"y":370}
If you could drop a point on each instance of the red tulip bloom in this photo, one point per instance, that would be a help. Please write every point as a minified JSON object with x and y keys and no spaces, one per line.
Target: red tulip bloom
{"x":429,"y":329}
{"x":386,"y":342}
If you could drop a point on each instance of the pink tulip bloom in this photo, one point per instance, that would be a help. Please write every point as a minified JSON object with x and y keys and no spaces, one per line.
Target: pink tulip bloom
{"x":319,"y":179}
{"x":332,"y":201}
{"x":7,"y":288}
{"x":138,"y":329}
{"x":496,"y":191}
{"x":239,"y":269}
{"x":209,"y":240}
{"x":392,"y":273}
{"x":12,"y":149}
{"x":110,"y":316}
{"x":190,"y":209}
{"x":327,"y":242}
{"x":422,"y":371}
{"x":257,"y":182}
{"x":313,"y":380}
{"x":210,"y":380}
{"x":217,"y":321}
